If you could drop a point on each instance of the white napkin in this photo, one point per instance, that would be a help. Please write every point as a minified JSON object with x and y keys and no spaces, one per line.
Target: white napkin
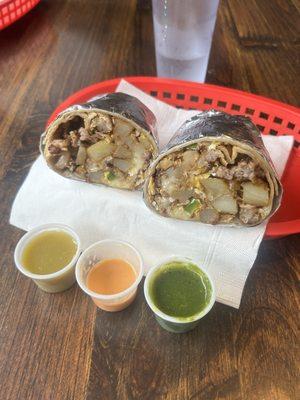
{"x":98,"y":212}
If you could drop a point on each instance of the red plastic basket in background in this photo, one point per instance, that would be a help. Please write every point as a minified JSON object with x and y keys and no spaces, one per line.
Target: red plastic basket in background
{"x":271,"y":117}
{"x":12,"y":10}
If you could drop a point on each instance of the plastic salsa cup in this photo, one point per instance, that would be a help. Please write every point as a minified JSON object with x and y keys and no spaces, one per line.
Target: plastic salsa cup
{"x":57,"y":281}
{"x":109,"y":249}
{"x":171,"y":323}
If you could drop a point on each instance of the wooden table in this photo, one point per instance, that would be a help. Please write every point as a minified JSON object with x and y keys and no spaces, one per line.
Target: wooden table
{"x":59,"y":346}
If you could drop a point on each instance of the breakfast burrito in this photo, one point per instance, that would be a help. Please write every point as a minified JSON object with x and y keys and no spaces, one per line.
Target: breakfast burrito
{"x":110,"y":141}
{"x":215,"y":170}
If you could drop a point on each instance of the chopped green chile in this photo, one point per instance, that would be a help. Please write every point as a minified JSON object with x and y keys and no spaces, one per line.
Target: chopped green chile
{"x":192,"y":146}
{"x":193,"y":205}
{"x":110,"y":176}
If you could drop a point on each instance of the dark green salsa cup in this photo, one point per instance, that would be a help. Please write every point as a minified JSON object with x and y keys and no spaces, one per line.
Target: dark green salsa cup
{"x":203,"y":293}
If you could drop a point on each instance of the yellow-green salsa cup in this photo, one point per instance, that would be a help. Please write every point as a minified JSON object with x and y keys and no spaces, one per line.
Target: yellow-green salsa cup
{"x":55,"y":282}
{"x":180,"y":293}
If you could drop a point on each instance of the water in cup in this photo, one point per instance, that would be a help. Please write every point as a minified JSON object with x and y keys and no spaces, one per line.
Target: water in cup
{"x":183,"y":33}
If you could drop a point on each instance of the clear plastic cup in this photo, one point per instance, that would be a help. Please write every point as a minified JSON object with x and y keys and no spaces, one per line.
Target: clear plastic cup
{"x":57,"y":281}
{"x":183,"y":32}
{"x":173,"y":324}
{"x":109,"y":249}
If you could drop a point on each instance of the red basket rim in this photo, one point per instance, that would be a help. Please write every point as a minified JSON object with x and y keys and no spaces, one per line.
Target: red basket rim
{"x":149,"y":79}
{"x":274,"y":229}
{"x":278,"y":229}
{"x":3,"y":3}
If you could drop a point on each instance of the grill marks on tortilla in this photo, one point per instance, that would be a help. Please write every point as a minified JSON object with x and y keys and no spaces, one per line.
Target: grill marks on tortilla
{"x":210,"y":182}
{"x":100,"y":148}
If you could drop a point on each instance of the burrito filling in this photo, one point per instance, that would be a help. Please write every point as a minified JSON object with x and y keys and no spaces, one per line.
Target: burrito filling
{"x":210,"y":182}
{"x":100,"y":148}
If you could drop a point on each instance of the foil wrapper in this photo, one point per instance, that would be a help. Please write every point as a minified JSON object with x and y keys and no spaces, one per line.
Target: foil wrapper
{"x":121,"y":104}
{"x":116,"y":104}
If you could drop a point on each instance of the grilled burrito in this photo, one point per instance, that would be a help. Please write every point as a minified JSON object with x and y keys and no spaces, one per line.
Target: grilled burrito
{"x":215,"y":170}
{"x":110,"y":141}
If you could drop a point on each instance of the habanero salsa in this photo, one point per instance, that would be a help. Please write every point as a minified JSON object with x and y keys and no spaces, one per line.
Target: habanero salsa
{"x":111,"y":276}
{"x":180,"y":289}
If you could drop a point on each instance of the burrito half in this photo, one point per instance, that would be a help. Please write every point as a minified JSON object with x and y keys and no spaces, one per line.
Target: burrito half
{"x":110,"y":141}
{"x":215,"y":170}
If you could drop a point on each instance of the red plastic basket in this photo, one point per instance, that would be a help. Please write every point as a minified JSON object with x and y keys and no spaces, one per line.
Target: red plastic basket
{"x":272,"y":118}
{"x":12,"y":10}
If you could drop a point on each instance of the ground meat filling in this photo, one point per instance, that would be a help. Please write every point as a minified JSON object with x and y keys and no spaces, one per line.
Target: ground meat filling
{"x":102,"y":149}
{"x":201,"y":183}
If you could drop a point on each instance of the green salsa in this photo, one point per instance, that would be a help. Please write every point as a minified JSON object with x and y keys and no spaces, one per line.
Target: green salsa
{"x":180,"y":289}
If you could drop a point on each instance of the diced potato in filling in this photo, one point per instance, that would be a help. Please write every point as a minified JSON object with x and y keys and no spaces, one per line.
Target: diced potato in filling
{"x":101,"y":148}
{"x":215,"y":187}
{"x":194,"y":183}
{"x":225,"y":204}
{"x":256,"y":194}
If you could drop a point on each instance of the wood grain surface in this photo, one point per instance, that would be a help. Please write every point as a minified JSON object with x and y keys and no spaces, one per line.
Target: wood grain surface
{"x":59,"y":346}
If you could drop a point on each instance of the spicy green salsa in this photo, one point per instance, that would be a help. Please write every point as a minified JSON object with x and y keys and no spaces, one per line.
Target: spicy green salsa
{"x":180,"y":289}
